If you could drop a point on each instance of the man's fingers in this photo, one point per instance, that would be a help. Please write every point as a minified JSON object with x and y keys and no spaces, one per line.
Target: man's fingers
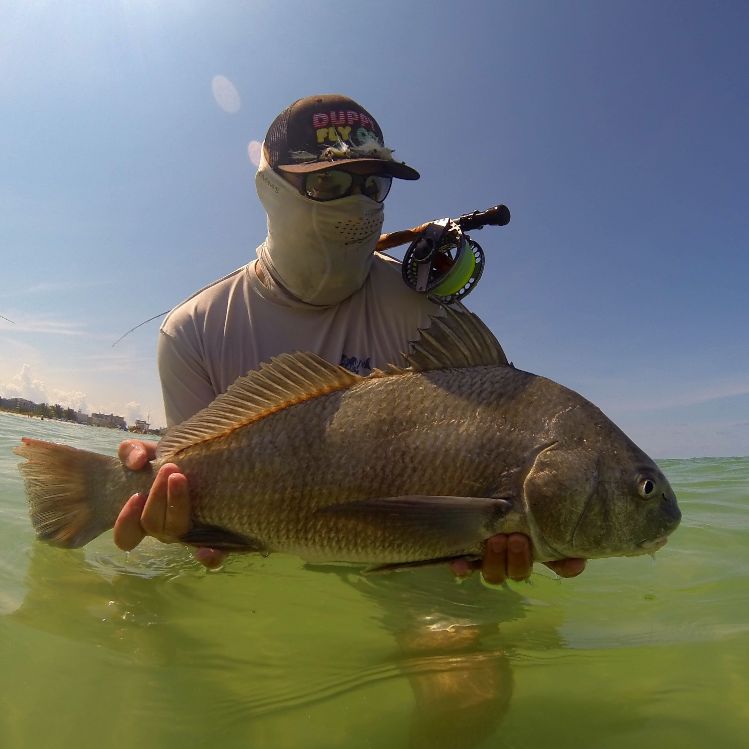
{"x":511,"y":556}
{"x":519,"y":557}
{"x":132,"y":454}
{"x":211,"y":558}
{"x":165,"y":514}
{"x":507,"y":556}
{"x":135,"y":454}
{"x":177,"y":519}
{"x":128,"y":532}
{"x":567,"y":567}
{"x":494,"y":564}
{"x":154,"y":517}
{"x":462,"y":567}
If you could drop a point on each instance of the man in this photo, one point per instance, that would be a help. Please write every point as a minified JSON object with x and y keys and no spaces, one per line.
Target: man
{"x":316,"y":285}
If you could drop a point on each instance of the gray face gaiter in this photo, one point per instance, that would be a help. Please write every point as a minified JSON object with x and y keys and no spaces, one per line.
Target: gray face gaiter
{"x":320,"y":252}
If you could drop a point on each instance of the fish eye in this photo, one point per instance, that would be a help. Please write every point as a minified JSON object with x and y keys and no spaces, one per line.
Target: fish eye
{"x":646,"y":488}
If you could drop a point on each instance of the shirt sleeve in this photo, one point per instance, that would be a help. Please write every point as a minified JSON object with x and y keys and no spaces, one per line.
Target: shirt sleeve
{"x":185,"y":384}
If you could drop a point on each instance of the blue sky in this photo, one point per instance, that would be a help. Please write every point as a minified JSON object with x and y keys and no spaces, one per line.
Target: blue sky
{"x":615,"y":132}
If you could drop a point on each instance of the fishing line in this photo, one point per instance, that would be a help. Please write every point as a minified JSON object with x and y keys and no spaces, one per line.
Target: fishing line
{"x":140,"y":324}
{"x":442,"y":261}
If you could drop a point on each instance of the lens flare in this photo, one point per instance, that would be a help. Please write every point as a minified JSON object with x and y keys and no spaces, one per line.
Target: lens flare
{"x":225,"y":94}
{"x":253,"y":151}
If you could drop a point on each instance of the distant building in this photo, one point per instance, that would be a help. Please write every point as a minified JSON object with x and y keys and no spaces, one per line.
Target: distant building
{"x":82,"y":418}
{"x":108,"y":420}
{"x":141,"y":426}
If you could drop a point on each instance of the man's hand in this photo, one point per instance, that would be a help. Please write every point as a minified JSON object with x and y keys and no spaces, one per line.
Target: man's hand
{"x":164,"y":513}
{"x":510,"y":556}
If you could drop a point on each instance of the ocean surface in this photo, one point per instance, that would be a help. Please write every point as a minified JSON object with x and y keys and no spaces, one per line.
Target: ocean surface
{"x":99,"y":648}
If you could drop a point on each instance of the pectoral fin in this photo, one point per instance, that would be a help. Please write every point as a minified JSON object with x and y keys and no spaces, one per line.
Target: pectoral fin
{"x":401,"y":566}
{"x":445,"y":525}
{"x":220,"y":538}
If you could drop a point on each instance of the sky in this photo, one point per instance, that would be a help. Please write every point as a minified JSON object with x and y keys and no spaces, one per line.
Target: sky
{"x":616,"y":133}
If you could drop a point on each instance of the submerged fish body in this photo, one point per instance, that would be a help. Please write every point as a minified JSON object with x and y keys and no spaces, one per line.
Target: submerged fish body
{"x":401,"y":467}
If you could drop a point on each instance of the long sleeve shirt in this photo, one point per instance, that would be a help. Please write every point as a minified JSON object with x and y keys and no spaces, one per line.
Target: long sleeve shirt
{"x":234,"y":324}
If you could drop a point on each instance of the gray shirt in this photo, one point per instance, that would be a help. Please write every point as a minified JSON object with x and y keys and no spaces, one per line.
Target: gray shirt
{"x":233,"y":325}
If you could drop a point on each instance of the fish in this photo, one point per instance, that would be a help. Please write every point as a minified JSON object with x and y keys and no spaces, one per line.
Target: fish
{"x":412,"y":464}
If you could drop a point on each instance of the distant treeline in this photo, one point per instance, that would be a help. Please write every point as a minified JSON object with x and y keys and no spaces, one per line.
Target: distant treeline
{"x":29,"y":408}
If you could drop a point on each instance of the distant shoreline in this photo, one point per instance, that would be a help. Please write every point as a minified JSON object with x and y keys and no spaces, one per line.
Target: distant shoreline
{"x":38,"y":417}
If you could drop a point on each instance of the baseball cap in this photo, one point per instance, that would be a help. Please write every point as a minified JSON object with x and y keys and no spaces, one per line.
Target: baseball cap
{"x":326,"y":130}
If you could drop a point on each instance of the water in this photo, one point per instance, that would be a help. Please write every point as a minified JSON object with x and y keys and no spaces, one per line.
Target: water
{"x":104,"y":649}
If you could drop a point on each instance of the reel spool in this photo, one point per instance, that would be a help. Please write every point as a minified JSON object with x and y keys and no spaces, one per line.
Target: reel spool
{"x":444,"y":263}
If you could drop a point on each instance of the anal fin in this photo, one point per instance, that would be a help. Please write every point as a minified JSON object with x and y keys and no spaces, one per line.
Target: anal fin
{"x":401,"y":566}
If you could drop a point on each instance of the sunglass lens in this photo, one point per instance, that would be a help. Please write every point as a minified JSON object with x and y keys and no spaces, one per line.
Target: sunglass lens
{"x":336,"y":183}
{"x":327,"y":185}
{"x":376,"y":186}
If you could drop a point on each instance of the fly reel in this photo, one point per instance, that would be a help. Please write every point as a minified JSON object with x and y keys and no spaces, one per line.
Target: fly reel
{"x":444,"y":262}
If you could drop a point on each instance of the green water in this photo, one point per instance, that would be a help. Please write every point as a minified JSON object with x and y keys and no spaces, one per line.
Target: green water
{"x":99,"y":648}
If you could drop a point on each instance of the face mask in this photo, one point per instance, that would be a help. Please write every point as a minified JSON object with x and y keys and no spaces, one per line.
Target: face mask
{"x":319,"y":252}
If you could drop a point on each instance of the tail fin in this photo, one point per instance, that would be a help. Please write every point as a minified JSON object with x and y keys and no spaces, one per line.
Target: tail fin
{"x":69,"y":492}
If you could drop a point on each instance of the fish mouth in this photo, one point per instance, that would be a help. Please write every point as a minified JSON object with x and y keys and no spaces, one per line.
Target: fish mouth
{"x":651,"y":546}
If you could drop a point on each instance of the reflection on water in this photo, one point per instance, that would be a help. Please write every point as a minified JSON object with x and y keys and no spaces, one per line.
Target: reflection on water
{"x":446,"y":633}
{"x":159,"y":611}
{"x":101,"y":648}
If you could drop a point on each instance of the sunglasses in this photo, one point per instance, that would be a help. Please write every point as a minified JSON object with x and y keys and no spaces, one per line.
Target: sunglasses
{"x":336,"y":183}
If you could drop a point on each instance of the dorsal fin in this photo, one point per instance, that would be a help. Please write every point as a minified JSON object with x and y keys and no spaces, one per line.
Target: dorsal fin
{"x":457,"y":340}
{"x":285,"y":380}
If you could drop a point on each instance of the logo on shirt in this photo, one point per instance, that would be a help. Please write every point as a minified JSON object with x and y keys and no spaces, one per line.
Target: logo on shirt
{"x":355,"y":364}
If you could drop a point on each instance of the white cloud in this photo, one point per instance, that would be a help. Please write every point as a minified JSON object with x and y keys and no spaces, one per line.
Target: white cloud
{"x":689,"y":395}
{"x":107,"y":363}
{"x":26,"y":385}
{"x":49,"y":287}
{"x":711,"y":439}
{"x":133,"y":411}
{"x":15,"y":350}
{"x":27,"y":324}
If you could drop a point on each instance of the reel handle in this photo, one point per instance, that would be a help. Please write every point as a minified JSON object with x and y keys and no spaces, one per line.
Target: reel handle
{"x":498,"y":215}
